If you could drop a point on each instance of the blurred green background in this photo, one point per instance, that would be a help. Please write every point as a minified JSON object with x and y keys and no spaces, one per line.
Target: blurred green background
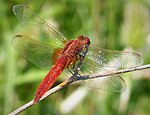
{"x":111,"y":24}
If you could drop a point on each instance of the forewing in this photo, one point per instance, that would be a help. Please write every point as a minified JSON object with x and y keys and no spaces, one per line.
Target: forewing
{"x":37,"y":52}
{"x":115,"y":60}
{"x":36,"y":27}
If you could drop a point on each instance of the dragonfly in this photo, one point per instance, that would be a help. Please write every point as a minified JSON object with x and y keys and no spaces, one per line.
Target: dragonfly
{"x":46,"y":47}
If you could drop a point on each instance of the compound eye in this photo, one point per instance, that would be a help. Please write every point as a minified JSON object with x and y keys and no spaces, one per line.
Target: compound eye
{"x":87,"y":41}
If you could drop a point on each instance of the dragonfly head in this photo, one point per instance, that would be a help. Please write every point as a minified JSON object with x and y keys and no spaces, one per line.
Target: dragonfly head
{"x":83,"y":40}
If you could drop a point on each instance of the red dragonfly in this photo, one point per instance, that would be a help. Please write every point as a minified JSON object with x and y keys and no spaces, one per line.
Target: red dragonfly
{"x":50,"y":47}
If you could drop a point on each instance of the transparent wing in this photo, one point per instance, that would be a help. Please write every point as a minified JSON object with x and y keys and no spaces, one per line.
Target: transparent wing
{"x":37,"y":52}
{"x":108,"y":83}
{"x":36,"y":27}
{"x":114,"y":59}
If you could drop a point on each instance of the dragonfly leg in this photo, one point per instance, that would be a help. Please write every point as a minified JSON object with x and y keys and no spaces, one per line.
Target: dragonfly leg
{"x":78,"y":76}
{"x":72,"y":72}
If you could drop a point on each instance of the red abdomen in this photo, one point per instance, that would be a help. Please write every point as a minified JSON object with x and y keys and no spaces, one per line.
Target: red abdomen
{"x":50,"y":78}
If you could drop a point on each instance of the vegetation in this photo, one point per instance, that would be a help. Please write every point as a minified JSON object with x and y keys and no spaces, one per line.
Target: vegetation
{"x":111,"y":24}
